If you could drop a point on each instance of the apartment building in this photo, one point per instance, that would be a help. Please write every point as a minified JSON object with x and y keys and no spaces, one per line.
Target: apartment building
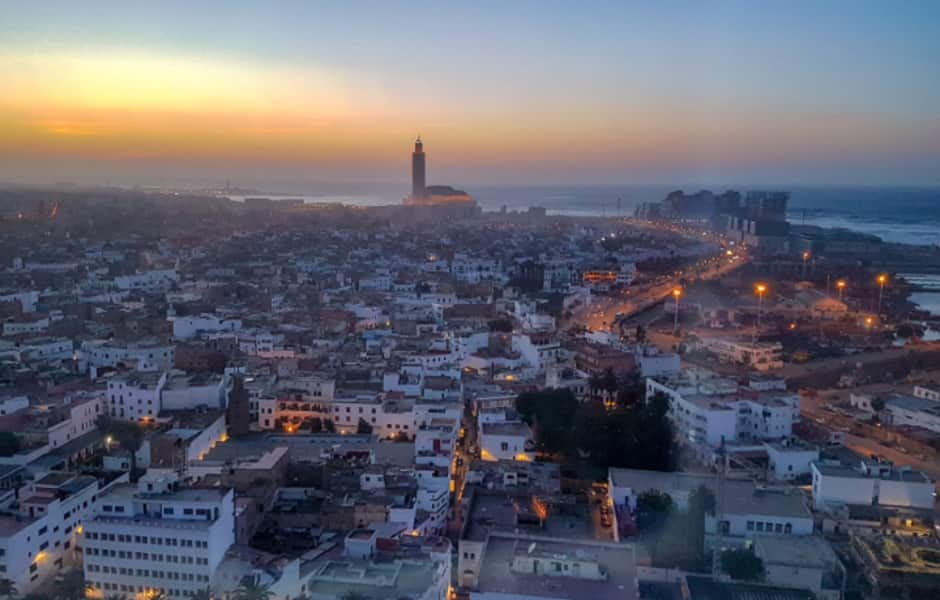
{"x":155,"y":536}
{"x":40,"y":539}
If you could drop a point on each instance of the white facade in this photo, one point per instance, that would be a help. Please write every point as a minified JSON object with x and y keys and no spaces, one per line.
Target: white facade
{"x":870,"y":485}
{"x":27,"y":300}
{"x":147,"y":280}
{"x":40,"y":541}
{"x":927,"y":393}
{"x":135,"y":397}
{"x":913,"y":411}
{"x":697,"y":418}
{"x":147,"y":356}
{"x":47,"y":349}
{"x":762,"y":356}
{"x":185,"y":328}
{"x":506,"y":441}
{"x":83,"y":412}
{"x":789,"y":461}
{"x":25,"y":327}
{"x":151,"y":537}
{"x":711,"y":412}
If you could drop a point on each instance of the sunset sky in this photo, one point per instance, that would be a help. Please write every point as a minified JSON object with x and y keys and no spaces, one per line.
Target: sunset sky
{"x":270,"y":93}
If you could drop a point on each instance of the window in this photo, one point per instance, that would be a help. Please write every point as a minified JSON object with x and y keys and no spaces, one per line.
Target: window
{"x":750,"y":525}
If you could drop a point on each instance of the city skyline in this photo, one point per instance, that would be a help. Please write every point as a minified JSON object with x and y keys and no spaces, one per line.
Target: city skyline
{"x":515,"y":94}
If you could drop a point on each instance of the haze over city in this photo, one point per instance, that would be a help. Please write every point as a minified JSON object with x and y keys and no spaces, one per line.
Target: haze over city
{"x":177,"y":93}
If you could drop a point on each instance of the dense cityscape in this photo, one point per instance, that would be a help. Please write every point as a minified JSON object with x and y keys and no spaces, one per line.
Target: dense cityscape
{"x":477,"y":300}
{"x":277,"y":399}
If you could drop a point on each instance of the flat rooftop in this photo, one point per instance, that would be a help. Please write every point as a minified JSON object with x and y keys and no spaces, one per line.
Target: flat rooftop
{"x":501,"y":512}
{"x":511,"y":428}
{"x":742,"y":496}
{"x":497,"y":576}
{"x":894,"y":474}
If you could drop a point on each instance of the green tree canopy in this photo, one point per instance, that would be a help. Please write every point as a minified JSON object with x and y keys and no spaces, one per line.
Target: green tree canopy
{"x":742,"y":564}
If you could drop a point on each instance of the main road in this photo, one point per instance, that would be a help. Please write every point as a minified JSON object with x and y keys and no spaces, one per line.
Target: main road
{"x":603,"y":312}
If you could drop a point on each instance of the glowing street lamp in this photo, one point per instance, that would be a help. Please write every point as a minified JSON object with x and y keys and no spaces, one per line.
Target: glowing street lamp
{"x":806,"y":256}
{"x":676,"y":293}
{"x":760,"y":289}
{"x":840,"y":285}
{"x":882,"y":280}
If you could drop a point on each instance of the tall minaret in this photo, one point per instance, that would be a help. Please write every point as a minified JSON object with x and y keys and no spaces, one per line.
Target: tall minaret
{"x":417,"y":170}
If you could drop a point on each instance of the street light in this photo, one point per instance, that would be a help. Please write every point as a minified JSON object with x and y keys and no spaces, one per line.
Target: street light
{"x":676,"y":293}
{"x":840,"y":285}
{"x":760,"y":289}
{"x":805,"y":258}
{"x":882,"y":280}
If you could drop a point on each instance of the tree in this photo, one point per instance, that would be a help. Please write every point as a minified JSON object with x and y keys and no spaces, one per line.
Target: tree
{"x":9,"y":443}
{"x":249,"y":590}
{"x":609,"y":381}
{"x":652,"y":509}
{"x":316,"y":425}
{"x":129,"y":435}
{"x":630,"y":390}
{"x":877,"y":404}
{"x":363,"y":427}
{"x":502,"y":325}
{"x":550,"y":412}
{"x":742,"y":564}
{"x":595,"y":384}
{"x":329,"y":426}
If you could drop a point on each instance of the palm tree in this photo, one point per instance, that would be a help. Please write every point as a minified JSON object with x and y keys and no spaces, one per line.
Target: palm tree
{"x":249,"y":590}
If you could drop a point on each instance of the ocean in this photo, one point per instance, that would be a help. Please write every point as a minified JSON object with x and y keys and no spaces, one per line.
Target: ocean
{"x":896,"y":214}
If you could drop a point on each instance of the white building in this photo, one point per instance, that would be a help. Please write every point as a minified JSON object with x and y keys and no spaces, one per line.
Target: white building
{"x":40,"y":540}
{"x":185,"y":328}
{"x":762,"y":356}
{"x":712,"y":410}
{"x":12,"y":404}
{"x":140,"y":396}
{"x":82,"y":410}
{"x":147,"y":280}
{"x":145,"y":355}
{"x":789,"y":459}
{"x":870,"y":484}
{"x":749,"y":509}
{"x":27,"y":300}
{"x":926,"y":392}
{"x":136,"y":396}
{"x":25,"y":326}
{"x":152,"y":537}
{"x":804,"y":562}
{"x":47,"y":349}
{"x":507,"y":440}
{"x":186,"y":391}
{"x":914,"y":411}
